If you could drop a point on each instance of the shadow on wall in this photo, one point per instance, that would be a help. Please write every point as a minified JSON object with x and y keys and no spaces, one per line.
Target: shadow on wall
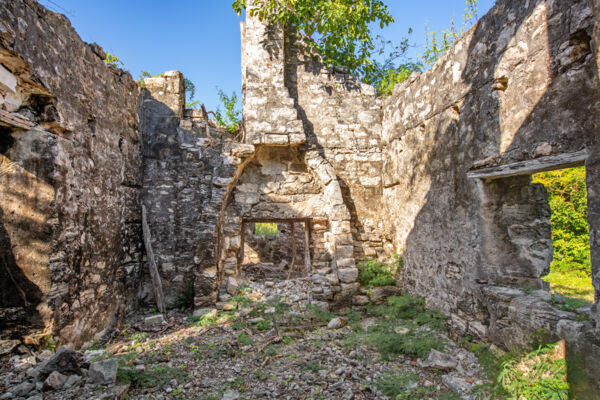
{"x":16,"y":290}
{"x":314,"y":66}
{"x":510,"y":111}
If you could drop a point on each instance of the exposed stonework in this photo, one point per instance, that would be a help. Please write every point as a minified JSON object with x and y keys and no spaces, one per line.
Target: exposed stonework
{"x":70,"y":195}
{"x":439,"y":172}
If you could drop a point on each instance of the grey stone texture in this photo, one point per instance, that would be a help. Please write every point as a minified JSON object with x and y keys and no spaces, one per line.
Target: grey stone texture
{"x":70,"y":188}
{"x":439,"y":171}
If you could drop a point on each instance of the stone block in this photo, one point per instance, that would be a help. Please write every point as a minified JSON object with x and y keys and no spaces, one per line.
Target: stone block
{"x":103,"y":372}
{"x":154,"y":320}
{"x":348,"y":275}
{"x":276,"y":140}
{"x":346,"y":263}
{"x":55,"y":381}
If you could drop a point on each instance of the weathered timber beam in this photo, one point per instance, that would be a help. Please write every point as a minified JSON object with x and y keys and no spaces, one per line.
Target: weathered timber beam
{"x":307,"y":263}
{"x":281,"y":220}
{"x":529,"y":167}
{"x":156,"y":281}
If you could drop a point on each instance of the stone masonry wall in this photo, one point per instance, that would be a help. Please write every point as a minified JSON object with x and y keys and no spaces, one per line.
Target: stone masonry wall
{"x":69,"y":198}
{"x":188,"y":168}
{"x":343,"y":122}
{"x":518,"y":90}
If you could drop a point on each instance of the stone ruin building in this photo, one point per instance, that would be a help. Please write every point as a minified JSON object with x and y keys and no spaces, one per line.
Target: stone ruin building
{"x":439,"y":172}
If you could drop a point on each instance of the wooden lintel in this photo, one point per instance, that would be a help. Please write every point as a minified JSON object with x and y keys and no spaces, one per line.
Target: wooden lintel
{"x":16,"y":120}
{"x":529,"y":167}
{"x":279,"y":220}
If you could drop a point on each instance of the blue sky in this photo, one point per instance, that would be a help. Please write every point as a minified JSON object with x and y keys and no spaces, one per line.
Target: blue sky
{"x":201,"y":38}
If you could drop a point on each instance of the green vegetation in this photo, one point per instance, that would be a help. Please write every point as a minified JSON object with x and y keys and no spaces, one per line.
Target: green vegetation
{"x":437,"y":43}
{"x":152,"y":376}
{"x":113,"y":61}
{"x":372,"y":273}
{"x":340,"y":31}
{"x":404,"y":386}
{"x":407,"y":327}
{"x":232,"y":117}
{"x":266,"y":229}
{"x":539,"y":374}
{"x":570,"y":271}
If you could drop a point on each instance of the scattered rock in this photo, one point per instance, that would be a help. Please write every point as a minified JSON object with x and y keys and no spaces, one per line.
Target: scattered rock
{"x":337,"y":323}
{"x":457,"y":384}
{"x":55,"y":381}
{"x":22,"y":389}
{"x":92,"y":355}
{"x":7,"y":346}
{"x":203,"y":311}
{"x":231,"y":395}
{"x":104,"y":372}
{"x":269,"y":284}
{"x":65,"y":361}
{"x":378,"y":295}
{"x":72,"y":380}
{"x":439,"y":360}
{"x":154,"y":320}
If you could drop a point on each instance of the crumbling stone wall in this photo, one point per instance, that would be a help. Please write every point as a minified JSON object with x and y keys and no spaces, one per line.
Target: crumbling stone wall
{"x":518,"y":93}
{"x":69,"y":196}
{"x":189,"y":168}
{"x":343,"y":121}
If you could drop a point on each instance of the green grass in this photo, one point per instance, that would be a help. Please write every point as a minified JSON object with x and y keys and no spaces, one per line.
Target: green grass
{"x":153,"y":376}
{"x":266,"y":229}
{"x":405,"y":326}
{"x":539,"y":374}
{"x":576,"y":288}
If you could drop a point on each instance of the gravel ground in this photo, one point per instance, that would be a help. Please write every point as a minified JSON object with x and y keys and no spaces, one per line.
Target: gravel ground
{"x":271,"y":343}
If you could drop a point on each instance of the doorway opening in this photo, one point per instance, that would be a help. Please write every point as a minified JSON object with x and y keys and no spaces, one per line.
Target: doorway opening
{"x":570,"y":276}
{"x":275,"y":249}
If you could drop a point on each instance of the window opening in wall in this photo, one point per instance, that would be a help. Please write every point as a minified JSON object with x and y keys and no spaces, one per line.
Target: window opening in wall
{"x":275,"y":250}
{"x":570,"y":276}
{"x":266,"y":229}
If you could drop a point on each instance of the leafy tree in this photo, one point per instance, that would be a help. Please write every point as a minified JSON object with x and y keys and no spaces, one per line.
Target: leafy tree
{"x":570,"y":236}
{"x":232,"y":117}
{"x":113,"y":61}
{"x":339,"y":30}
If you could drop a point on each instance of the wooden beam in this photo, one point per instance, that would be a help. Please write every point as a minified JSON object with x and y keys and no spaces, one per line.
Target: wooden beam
{"x":307,"y":263}
{"x":293,"y":263}
{"x":279,"y":220}
{"x":529,"y":167}
{"x":13,"y":119}
{"x":154,"y":274}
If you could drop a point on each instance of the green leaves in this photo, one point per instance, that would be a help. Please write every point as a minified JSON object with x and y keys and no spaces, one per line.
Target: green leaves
{"x":113,"y":61}
{"x":339,"y":30}
{"x":232,"y":117}
{"x":568,"y":202}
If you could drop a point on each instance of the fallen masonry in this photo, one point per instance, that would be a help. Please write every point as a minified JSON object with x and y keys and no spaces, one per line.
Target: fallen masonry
{"x":438,"y":173}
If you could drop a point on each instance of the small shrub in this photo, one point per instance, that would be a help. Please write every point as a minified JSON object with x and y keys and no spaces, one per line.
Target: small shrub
{"x":372,"y":273}
{"x":245,"y":340}
{"x":313,"y":366}
{"x":113,"y":61}
{"x":395,"y":385}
